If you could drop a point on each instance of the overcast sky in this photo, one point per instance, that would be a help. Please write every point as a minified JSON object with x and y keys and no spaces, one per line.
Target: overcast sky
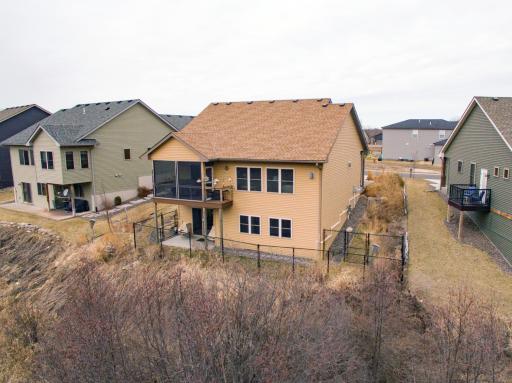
{"x":394,"y":59}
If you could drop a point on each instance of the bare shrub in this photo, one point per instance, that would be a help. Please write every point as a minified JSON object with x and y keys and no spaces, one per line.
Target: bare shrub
{"x":109,"y":246}
{"x":143,"y":191}
{"x":186,"y":325}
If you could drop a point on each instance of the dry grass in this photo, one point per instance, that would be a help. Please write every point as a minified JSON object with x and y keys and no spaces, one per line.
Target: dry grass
{"x":6,"y":195}
{"x":425,"y":165}
{"x":77,"y":230}
{"x":438,"y":262}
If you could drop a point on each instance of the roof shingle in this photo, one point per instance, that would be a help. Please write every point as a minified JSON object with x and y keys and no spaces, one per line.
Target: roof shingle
{"x":499,"y":110}
{"x":286,"y":130}
{"x":423,"y":124}
{"x":8,"y":113}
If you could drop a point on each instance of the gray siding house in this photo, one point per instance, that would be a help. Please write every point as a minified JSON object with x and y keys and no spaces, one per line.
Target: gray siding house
{"x":477,"y":160}
{"x":414,"y":139}
{"x":13,"y":120}
{"x":81,"y":158}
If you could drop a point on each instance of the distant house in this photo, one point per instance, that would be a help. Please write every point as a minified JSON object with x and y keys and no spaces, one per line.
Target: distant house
{"x":414,"y":139}
{"x":476,"y":172}
{"x":264,"y":172}
{"x":438,"y":145}
{"x":81,"y":158}
{"x":14,"y":120}
{"x":374,"y":141}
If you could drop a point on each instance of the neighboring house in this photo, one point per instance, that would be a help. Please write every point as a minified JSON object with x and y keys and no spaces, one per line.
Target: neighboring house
{"x":438,"y":145}
{"x":476,"y":168}
{"x":374,"y":136}
{"x":14,"y":120}
{"x":413,"y":140}
{"x":81,"y":158}
{"x":267,"y":172}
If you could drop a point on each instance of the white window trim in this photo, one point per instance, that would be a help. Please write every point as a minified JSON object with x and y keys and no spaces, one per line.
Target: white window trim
{"x":494,"y":172}
{"x":443,"y":135}
{"x":66,"y":160}
{"x":281,"y":227}
{"x":279,"y":180}
{"x":415,"y":132}
{"x":250,"y":226}
{"x":248,"y":168}
{"x":508,"y":173}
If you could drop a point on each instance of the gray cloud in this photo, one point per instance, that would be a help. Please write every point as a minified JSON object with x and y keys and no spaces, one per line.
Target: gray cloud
{"x":394,"y":59}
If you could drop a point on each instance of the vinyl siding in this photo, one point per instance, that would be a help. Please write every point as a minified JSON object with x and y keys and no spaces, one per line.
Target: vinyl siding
{"x":400,"y":143}
{"x":9,"y":128}
{"x":477,"y":141}
{"x":339,"y":179}
{"x":173,"y":150}
{"x":76,"y":175}
{"x":136,"y":129}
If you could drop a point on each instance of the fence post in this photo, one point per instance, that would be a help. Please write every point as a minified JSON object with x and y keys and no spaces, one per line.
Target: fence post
{"x":293,"y":260}
{"x":190,"y":245}
{"x":402,"y":260}
{"x":222,"y":247}
{"x":344,"y":244}
{"x":367,"y":247}
{"x":163,"y":226}
{"x":259,"y":262}
{"x":134,"y":237}
{"x":323,"y":243}
{"x":328,"y":256}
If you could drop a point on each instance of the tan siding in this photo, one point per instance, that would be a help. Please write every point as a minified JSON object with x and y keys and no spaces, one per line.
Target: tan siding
{"x":77,"y":175}
{"x":338,"y":178}
{"x":44,"y":142}
{"x":22,"y":173}
{"x":302,"y":208}
{"x":173,"y":150}
{"x":136,"y":129}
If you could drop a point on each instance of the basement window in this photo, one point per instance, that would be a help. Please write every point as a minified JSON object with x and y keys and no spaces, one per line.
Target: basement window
{"x":250,"y":224}
{"x":506,"y":173}
{"x":279,"y":227}
{"x":497,"y":171}
{"x":41,"y":189}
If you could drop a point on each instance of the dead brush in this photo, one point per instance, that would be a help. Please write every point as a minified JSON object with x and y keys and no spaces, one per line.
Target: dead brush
{"x":109,"y":246}
{"x":387,"y":188}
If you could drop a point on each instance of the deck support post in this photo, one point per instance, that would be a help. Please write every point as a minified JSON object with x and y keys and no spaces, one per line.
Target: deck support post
{"x":461,"y":223}
{"x":221,"y":224}
{"x":203,"y":194}
{"x":72,"y":194}
{"x":157,"y":230}
{"x":448,"y":213}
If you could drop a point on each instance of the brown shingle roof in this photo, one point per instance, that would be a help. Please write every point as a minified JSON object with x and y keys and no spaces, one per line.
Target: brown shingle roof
{"x":286,"y":130}
{"x":499,"y":110}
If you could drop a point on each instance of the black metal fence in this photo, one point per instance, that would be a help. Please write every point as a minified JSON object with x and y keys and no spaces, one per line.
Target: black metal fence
{"x":346,"y":246}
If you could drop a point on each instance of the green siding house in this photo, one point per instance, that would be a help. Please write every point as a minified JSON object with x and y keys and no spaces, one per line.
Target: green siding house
{"x":477,"y":160}
{"x":81,"y":158}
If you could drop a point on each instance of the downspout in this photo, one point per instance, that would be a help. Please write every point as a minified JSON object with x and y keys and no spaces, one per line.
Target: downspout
{"x":320,"y":232}
{"x":362,"y":168}
{"x":93,"y":199}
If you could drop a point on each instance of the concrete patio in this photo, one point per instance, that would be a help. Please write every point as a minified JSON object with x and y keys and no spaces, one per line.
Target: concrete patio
{"x":56,"y":215}
{"x":182,"y":241}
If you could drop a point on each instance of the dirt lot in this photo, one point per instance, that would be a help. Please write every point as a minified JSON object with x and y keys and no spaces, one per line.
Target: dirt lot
{"x":439,"y":263}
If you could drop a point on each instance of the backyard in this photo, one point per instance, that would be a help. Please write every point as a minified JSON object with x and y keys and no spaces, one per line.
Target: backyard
{"x":439,"y":263}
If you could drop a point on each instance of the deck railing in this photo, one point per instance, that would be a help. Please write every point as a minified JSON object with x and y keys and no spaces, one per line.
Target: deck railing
{"x":468,"y":197}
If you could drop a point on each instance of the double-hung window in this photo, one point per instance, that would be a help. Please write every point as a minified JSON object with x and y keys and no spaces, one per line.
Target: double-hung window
{"x":280,"y":227}
{"x":41,"y":189}
{"x":84,"y":159}
{"x":26,"y":156}
{"x":46,"y":160}
{"x":248,"y":179}
{"x":496,"y":171}
{"x":506,"y":173}
{"x":280,"y":180}
{"x":70,"y":161}
{"x":250,"y":224}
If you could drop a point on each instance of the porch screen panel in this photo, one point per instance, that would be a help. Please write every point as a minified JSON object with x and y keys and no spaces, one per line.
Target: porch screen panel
{"x":189,"y":173}
{"x":165,"y":179}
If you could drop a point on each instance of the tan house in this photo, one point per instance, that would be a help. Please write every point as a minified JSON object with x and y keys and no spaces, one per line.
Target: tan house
{"x":81,"y":158}
{"x":264,"y":172}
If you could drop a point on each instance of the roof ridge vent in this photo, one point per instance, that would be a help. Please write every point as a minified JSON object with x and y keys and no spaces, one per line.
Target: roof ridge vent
{"x":325,"y":105}
{"x":295,"y":100}
{"x":271,"y":101}
{"x":249,"y":102}
{"x":495,"y":98}
{"x":319,"y":99}
{"x":342,"y":104}
{"x":215,"y":103}
{"x":228,"y":103}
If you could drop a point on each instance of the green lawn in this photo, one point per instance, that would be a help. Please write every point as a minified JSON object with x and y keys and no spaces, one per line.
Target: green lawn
{"x":439,"y":263}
